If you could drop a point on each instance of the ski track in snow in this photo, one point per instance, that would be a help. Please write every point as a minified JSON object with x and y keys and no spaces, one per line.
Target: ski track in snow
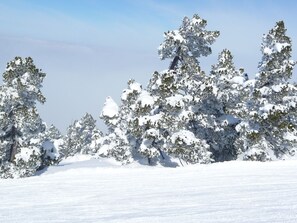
{"x":102,"y":191}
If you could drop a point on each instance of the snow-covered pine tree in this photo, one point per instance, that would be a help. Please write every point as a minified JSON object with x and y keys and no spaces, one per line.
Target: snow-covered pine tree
{"x":79,"y":136}
{"x":175,"y":91}
{"x":21,"y":124}
{"x":116,"y":144}
{"x":224,"y":95}
{"x":144,"y":126}
{"x":52,"y":142}
{"x":170,"y":116}
{"x":268,"y":130}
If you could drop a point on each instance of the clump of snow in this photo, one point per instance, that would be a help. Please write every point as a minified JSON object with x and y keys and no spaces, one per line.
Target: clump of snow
{"x":279,"y":46}
{"x":110,"y":108}
{"x":175,"y":34}
{"x":238,"y":80}
{"x":195,"y":21}
{"x":78,"y":125}
{"x":175,"y":101}
{"x":58,"y":143}
{"x":265,"y":90}
{"x":26,"y":153}
{"x":290,"y":136}
{"x":251,"y":83}
{"x":185,"y":115}
{"x":183,"y":137}
{"x":104,"y":150}
{"x":145,"y":99}
{"x":153,"y":119}
{"x":278,"y":88}
{"x":34,"y":141}
{"x":18,"y":61}
{"x":50,"y":149}
{"x":145,"y":148}
{"x":152,"y":133}
{"x":267,"y":51}
{"x":267,"y":107}
{"x":134,"y":88}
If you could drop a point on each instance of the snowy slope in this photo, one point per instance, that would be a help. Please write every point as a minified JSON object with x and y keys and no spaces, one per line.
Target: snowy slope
{"x":103,"y":191}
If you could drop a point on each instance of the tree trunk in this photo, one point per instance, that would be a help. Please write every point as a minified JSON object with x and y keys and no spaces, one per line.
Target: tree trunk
{"x":175,"y":60}
{"x":149,"y":160}
{"x":161,"y":153}
{"x":13,"y":148}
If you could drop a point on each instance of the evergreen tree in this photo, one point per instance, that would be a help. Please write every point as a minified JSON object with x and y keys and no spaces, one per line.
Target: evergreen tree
{"x":52,"y":142}
{"x":191,"y":100}
{"x":144,"y":126}
{"x":79,"y":136}
{"x":21,"y":125}
{"x":167,"y":108}
{"x":116,"y":144}
{"x":269,"y":128}
{"x":223,"y":96}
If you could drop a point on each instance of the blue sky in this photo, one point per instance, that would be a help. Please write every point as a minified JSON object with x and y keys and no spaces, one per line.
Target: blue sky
{"x":90,"y":49}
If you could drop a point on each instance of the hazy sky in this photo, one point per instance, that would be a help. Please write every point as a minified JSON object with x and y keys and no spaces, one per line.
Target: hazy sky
{"x":90,"y":49}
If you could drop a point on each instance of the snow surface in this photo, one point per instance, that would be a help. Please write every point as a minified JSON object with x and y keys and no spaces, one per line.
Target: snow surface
{"x":85,"y":190}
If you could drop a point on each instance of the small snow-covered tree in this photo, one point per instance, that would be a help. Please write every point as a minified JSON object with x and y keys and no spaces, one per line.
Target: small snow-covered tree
{"x":145,"y":128}
{"x":115,"y":143}
{"x":79,"y":136}
{"x":269,"y":121}
{"x":52,"y":141}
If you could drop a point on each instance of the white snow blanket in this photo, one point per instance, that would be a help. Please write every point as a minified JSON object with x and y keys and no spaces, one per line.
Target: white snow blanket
{"x":82,"y":190}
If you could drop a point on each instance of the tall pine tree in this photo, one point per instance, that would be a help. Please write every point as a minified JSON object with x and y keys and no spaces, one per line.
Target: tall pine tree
{"x":21,"y":126}
{"x":272,"y":104}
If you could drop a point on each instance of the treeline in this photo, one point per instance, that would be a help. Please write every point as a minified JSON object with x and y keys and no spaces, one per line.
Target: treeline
{"x":182,"y":116}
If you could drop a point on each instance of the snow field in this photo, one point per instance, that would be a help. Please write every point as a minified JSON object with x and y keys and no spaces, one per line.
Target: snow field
{"x":103,"y":191}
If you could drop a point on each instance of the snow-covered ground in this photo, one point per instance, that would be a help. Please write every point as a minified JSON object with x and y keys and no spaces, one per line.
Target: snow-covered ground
{"x":82,"y":190}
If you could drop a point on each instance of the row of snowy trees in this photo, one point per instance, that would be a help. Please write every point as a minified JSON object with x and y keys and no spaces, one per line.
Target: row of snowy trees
{"x":198,"y":118}
{"x":183,"y":114}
